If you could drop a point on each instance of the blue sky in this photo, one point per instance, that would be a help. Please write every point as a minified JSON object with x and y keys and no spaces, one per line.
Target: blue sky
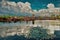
{"x":40,"y":4}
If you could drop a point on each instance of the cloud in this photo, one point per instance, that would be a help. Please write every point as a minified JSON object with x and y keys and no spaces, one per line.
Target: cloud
{"x":49,"y":11}
{"x":50,"y":6}
{"x":25,"y":7}
{"x":21,"y":7}
{"x":12,"y":3}
{"x":10,"y":6}
{"x":17,"y":7}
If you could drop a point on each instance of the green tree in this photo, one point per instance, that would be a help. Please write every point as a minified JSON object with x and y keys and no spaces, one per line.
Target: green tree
{"x":38,"y":33}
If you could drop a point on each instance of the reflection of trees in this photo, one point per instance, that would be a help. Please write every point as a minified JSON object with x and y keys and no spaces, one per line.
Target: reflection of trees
{"x":58,"y":16}
{"x":53,"y":16}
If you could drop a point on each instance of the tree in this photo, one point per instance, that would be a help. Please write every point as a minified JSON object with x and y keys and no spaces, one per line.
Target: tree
{"x":38,"y":33}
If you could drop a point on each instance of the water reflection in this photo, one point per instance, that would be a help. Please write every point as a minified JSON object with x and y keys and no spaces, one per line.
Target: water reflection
{"x":22,"y":23}
{"x":36,"y":22}
{"x":48,"y":24}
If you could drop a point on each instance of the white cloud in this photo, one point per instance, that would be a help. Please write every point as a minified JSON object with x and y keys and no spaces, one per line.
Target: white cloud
{"x":25,"y":7}
{"x":51,"y":10}
{"x":12,"y":3}
{"x":21,"y":7}
{"x":18,"y":7}
{"x":50,"y":6}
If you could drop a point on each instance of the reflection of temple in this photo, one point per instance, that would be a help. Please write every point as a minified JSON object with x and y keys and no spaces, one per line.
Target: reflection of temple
{"x":21,"y":30}
{"x":33,"y":18}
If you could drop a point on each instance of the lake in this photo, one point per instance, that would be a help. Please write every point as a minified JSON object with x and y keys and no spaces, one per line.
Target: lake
{"x":47,"y":24}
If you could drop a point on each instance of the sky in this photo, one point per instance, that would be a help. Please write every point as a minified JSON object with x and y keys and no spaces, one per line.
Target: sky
{"x":26,"y":7}
{"x":39,"y":4}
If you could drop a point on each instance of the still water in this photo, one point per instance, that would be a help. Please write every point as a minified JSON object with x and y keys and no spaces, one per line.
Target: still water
{"x":22,"y":23}
{"x":36,"y":22}
{"x":49,"y":24}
